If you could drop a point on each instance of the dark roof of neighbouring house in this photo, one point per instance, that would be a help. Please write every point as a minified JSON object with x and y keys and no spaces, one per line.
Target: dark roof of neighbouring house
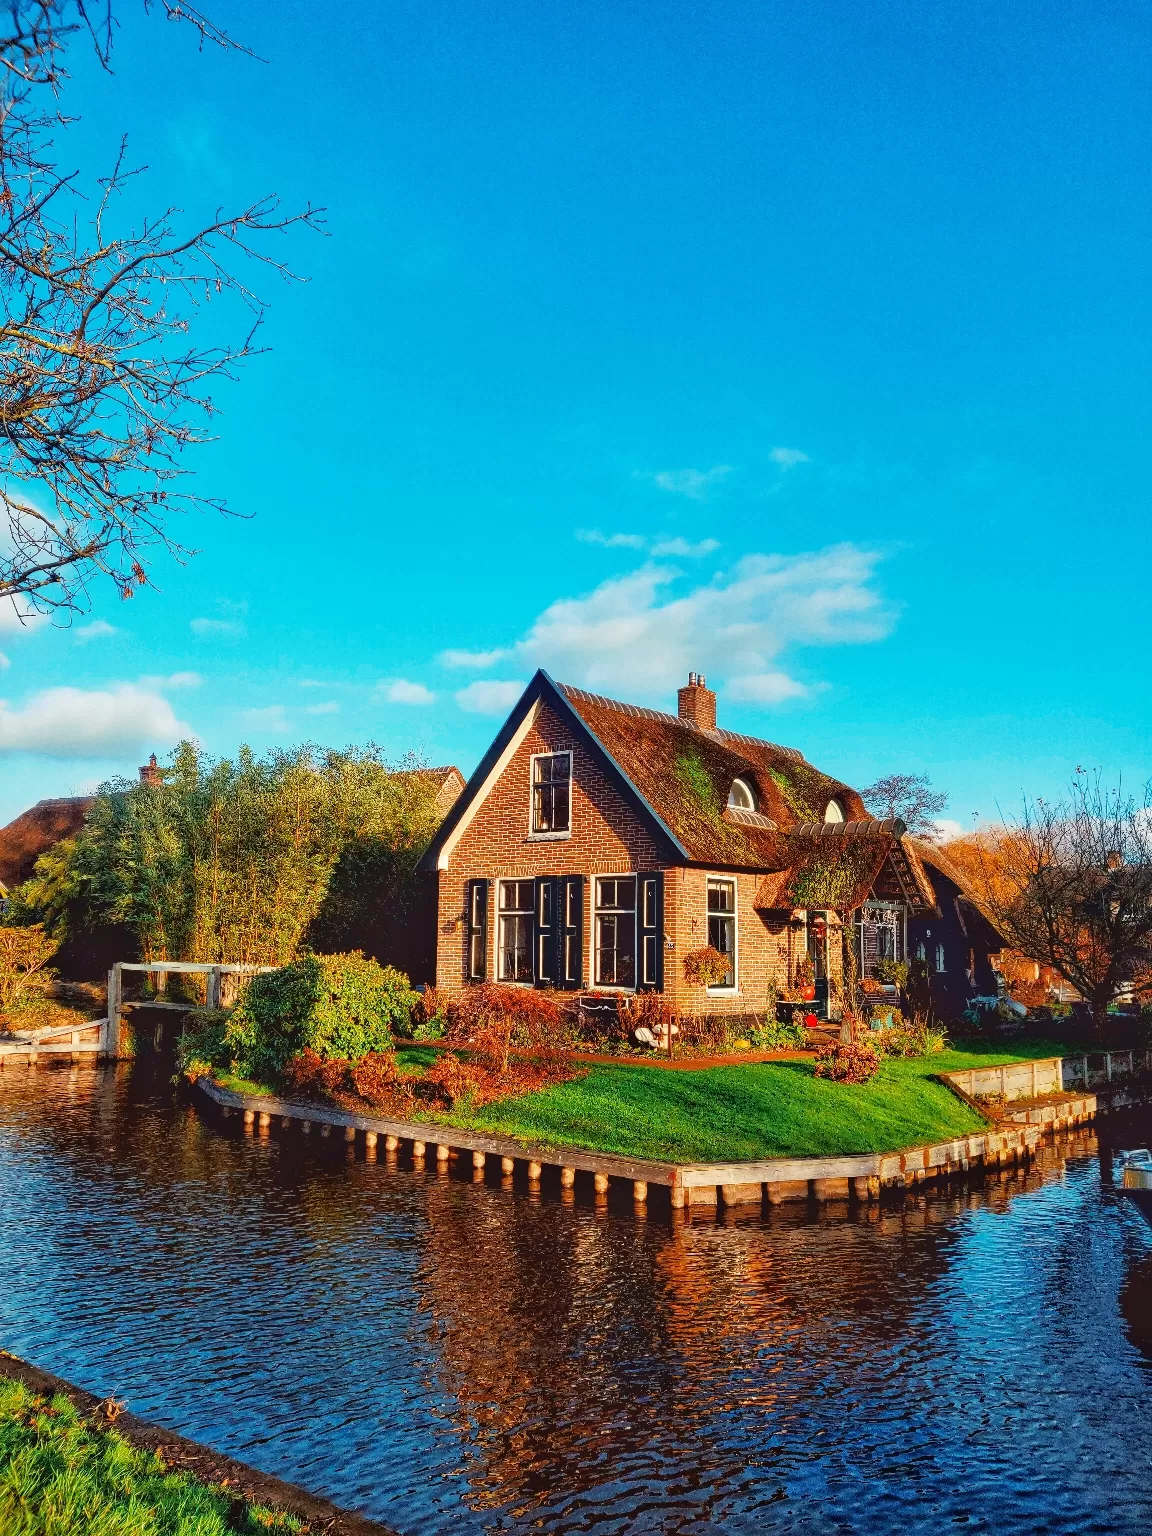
{"x":447,"y":781}
{"x":936,"y":858}
{"x":36,"y":830}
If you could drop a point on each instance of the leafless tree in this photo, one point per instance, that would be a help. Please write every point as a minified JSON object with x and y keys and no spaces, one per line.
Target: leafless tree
{"x":101,"y":387}
{"x":909,"y":796}
{"x":1069,"y":884}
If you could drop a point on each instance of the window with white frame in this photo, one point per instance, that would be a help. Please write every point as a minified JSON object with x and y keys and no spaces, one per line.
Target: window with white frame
{"x":722,"y":926}
{"x":741,"y":796}
{"x":517,"y":905}
{"x":939,"y":957}
{"x":552,"y":794}
{"x":616,"y":932}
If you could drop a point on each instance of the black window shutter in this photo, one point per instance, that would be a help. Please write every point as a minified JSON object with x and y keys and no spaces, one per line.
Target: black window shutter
{"x":545,"y":926}
{"x":651,"y":922}
{"x":477,"y":930}
{"x":570,"y":933}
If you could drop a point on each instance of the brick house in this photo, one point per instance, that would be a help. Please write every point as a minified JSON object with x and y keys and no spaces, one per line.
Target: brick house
{"x":598,"y":844}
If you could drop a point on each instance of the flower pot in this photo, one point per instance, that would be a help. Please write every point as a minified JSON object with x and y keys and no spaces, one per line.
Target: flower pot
{"x":809,"y":994}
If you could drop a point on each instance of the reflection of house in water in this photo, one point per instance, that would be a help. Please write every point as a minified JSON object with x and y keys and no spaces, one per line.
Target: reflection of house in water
{"x":590,"y":1354}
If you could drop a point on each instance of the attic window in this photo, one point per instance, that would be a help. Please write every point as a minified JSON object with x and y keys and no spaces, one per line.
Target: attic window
{"x":740,"y":796}
{"x":834,"y":811}
{"x":552,"y":794}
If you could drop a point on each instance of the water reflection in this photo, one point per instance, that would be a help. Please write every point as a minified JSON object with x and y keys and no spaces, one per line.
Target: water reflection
{"x":468,"y":1359}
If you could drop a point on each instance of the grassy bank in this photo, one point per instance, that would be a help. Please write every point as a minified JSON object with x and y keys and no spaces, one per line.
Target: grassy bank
{"x":63,"y":1475}
{"x":767,"y":1109}
{"x":772,"y":1109}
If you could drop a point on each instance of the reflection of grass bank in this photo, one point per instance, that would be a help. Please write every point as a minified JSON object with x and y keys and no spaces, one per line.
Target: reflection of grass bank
{"x":769,"y":1109}
{"x":63,"y":1475}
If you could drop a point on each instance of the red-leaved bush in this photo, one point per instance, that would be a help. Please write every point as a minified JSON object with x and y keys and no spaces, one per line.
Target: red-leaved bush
{"x":854,"y":1063}
{"x":375,"y":1079}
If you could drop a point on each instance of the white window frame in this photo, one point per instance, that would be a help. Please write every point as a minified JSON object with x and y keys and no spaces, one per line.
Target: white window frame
{"x":729,"y":880}
{"x":940,"y":958}
{"x":530,"y":913}
{"x":548,"y":837}
{"x":594,"y":958}
{"x":841,"y":816}
{"x":747,"y":790}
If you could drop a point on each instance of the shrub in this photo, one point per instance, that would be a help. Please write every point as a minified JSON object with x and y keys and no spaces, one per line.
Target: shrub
{"x":341,"y":1007}
{"x":203,"y":1043}
{"x":647,"y":1010}
{"x":706,"y":967}
{"x":24,"y":972}
{"x":854,"y":1063}
{"x":892,"y":972}
{"x":772,"y":1034}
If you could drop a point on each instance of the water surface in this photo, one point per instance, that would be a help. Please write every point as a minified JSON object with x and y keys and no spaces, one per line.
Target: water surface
{"x":465,"y":1359}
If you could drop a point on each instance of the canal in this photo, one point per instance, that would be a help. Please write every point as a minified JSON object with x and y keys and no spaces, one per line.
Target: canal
{"x":459,"y":1359}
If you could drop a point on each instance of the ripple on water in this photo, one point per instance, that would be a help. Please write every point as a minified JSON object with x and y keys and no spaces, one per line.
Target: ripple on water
{"x":452,"y":1358}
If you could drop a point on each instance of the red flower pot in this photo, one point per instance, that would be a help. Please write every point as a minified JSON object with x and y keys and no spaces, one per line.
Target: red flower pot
{"x":809,"y":994}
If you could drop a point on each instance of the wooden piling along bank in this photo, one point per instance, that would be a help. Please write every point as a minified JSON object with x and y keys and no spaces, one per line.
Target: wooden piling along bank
{"x":777,"y":1180}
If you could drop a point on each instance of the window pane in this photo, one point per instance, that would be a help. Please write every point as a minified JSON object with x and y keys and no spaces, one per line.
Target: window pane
{"x":721,"y":896}
{"x":516,"y":948}
{"x":616,"y":950}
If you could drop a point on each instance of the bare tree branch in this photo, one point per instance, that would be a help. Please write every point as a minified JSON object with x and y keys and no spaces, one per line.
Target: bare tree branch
{"x":101,"y":390}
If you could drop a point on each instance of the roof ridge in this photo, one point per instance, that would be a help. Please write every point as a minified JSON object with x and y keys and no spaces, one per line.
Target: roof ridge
{"x":640,"y":711}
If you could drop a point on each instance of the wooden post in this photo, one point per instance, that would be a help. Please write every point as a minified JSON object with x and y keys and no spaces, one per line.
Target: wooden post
{"x":478,"y":1159}
{"x":390,"y":1142}
{"x":306,"y":1127}
{"x":567,"y":1177}
{"x":1033,"y":1079}
{"x":507,"y":1165}
{"x":442,"y":1153}
{"x":534,"y":1172}
{"x":212,"y":994}
{"x":113,"y":1038}
{"x":349,"y":1133}
{"x":325,"y":1128}
{"x":600,"y":1183}
{"x":265,"y":1122}
{"x":419,"y":1148}
{"x":1108,"y":1065}
{"x":370,"y":1140}
{"x":249,"y":1119}
{"x":639,"y":1191}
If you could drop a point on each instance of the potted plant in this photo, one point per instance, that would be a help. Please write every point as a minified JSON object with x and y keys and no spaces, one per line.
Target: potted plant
{"x":804,"y":979}
{"x":706,"y":967}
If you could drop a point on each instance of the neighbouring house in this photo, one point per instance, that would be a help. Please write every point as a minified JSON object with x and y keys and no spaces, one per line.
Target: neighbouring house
{"x":34,"y":832}
{"x":600,"y":845}
{"x":958,"y":941}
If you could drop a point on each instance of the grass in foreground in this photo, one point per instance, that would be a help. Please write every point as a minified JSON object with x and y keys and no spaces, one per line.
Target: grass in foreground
{"x":60,"y":1475}
{"x":766,"y":1109}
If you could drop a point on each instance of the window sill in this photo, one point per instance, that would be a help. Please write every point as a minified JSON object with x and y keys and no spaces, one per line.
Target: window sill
{"x":548,"y":837}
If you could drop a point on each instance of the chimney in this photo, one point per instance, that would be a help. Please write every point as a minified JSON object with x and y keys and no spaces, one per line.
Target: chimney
{"x":696,"y":704}
{"x":149,"y":773}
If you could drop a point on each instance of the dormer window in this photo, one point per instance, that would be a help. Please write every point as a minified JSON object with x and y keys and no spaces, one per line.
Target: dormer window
{"x":834,"y":811}
{"x":552,"y":794}
{"x":741,"y":797}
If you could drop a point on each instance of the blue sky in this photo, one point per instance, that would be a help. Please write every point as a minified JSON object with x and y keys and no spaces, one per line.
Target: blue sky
{"x":805,"y":346}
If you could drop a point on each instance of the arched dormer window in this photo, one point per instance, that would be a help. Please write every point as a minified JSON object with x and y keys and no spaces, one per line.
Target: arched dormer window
{"x":834,"y":811}
{"x":741,"y":796}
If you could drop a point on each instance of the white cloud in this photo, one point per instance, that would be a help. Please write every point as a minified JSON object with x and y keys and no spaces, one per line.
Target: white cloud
{"x":477,"y":659}
{"x":4,"y":662}
{"x":611,"y":540}
{"x":329,"y":708}
{"x":489,"y":697}
{"x":223,"y":627}
{"x":693,"y":483}
{"x":16,"y":618}
{"x":764,"y":688}
{"x":173,"y":680}
{"x":947,"y":829}
{"x":97,"y":630}
{"x":637,"y":636}
{"x":75,"y":722}
{"x":271,"y":718}
{"x":788,"y":458}
{"x":681,"y":549}
{"x":401,"y":691}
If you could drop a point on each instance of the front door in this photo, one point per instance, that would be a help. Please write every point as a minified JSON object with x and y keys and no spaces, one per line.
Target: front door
{"x":818,"y":955}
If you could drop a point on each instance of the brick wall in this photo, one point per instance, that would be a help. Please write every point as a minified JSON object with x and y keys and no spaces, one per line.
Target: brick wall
{"x":607,"y":837}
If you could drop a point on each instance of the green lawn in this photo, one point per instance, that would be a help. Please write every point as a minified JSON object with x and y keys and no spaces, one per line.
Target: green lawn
{"x":765,"y":1109}
{"x":62,"y":1476}
{"x":770,"y":1109}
